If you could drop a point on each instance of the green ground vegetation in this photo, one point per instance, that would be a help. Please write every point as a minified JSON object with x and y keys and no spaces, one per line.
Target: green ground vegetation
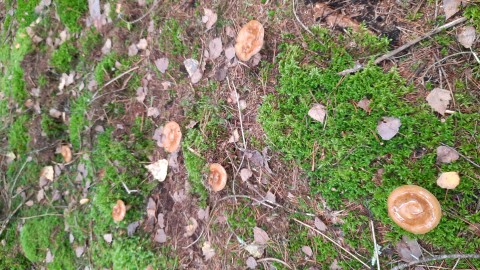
{"x":353,"y":152}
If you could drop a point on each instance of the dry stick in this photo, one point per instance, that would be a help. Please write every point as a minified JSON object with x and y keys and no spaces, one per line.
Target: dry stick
{"x":406,"y":46}
{"x":298,"y":19}
{"x":333,"y":242}
{"x":463,"y":156}
{"x":275,"y":260}
{"x":375,"y":248}
{"x":438,"y":258}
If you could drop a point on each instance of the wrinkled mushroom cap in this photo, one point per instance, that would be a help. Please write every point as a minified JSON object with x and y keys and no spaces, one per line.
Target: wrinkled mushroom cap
{"x":414,"y":209}
{"x":172,"y":136}
{"x":217,"y":178}
{"x":249,"y":40}
{"x":448,"y":180}
{"x":119,"y":211}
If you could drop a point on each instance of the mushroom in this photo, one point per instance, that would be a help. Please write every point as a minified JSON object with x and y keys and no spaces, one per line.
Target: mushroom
{"x":448,"y":180}
{"x":119,"y":211}
{"x":414,"y":209}
{"x":249,"y":40}
{"x":172,"y":135}
{"x":218,"y":177}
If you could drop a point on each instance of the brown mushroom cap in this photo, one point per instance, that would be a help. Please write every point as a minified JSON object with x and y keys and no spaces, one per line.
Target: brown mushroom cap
{"x":249,"y":40}
{"x":172,"y":135}
{"x":414,"y":209}
{"x":218,"y":177}
{"x":119,"y":211}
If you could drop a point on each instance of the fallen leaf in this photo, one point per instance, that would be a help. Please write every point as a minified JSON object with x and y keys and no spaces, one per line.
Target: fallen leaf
{"x":108,"y":238}
{"x":221,"y":73}
{"x":467,"y":36}
{"x":84,"y":201}
{"x":439,"y":99}
{"x":307,"y":250}
{"x":162,"y":64}
{"x":132,"y":227}
{"x":260,"y":236}
{"x":40,"y":195}
{"x":47,"y":172}
{"x":132,"y":50}
{"x":207,"y":250}
{"x":179,"y":196}
{"x":151,"y":208}
{"x":245,"y":174}
{"x":173,"y":161}
{"x":142,"y":44}
{"x":196,"y":77}
{"x":203,"y":213}
{"x":153,"y":112}
{"x":270,"y":197}
{"x":10,"y":157}
{"x":446,"y":154}
{"x":79,"y":251}
{"x":320,"y":225}
{"x":388,"y":127}
{"x":95,"y":14}
{"x":255,"y":250}
{"x":333,"y":18}
{"x":408,"y":249}
{"x":251,"y":263}
{"x":235,"y":136}
{"x":158,"y":169}
{"x":66,"y":153}
{"x":160,"y":236}
{"x":71,"y":238}
{"x":191,"y":65}
{"x":210,"y":18}
{"x":215,"y":48}
{"x":49,"y":258}
{"x":161,"y":220}
{"x":191,"y":227}
{"x":335,"y":266}
{"x":230,"y":52}
{"x":450,"y":7}
{"x":318,"y":112}
{"x":29,"y":203}
{"x":141,"y":94}
{"x":364,"y":104}
{"x":107,"y":46}
{"x":448,"y":180}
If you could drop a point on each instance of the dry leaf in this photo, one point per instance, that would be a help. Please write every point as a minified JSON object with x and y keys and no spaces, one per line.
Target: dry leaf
{"x":320,"y":225}
{"x":162,"y":64}
{"x":270,"y":197}
{"x":108,"y":238}
{"x":215,"y":48}
{"x":141,"y":94}
{"x":207,"y":250}
{"x":260,"y":236}
{"x":47,"y":172}
{"x":335,"y":266}
{"x":132,"y":227}
{"x":84,"y":201}
{"x":40,"y":195}
{"x":79,"y":251}
{"x":49,"y":258}
{"x":151,"y":208}
{"x":255,"y":250}
{"x":446,"y":154}
{"x":95,"y":14}
{"x":66,"y":153}
{"x":107,"y":46}
{"x":235,"y":136}
{"x":448,"y":180}
{"x":160,"y":236}
{"x":388,"y":127}
{"x":230,"y":53}
{"x":451,"y":7}
{"x":161,"y":220}
{"x":409,"y":250}
{"x":132,"y":50}
{"x":334,"y":18}
{"x":10,"y":157}
{"x":142,"y":44}
{"x":307,"y":250}
{"x":197,"y":76}
{"x":439,"y":99}
{"x":153,"y":112}
{"x":29,"y":203}
{"x":318,"y":112}
{"x":251,"y":263}
{"x":158,"y":169}
{"x":210,"y":18}
{"x":245,"y":174}
{"x":191,"y":227}
{"x":467,"y":36}
{"x":364,"y":104}
{"x":203,"y":213}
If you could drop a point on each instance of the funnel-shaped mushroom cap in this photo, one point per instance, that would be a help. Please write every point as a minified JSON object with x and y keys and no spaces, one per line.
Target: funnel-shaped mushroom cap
{"x":172,"y":135}
{"x":249,"y":40}
{"x":218,"y":177}
{"x":414,"y":209}
{"x":119,"y":211}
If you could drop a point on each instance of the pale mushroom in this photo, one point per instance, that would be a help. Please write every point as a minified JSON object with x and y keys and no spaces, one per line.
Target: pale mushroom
{"x":414,"y":209}
{"x":249,"y":40}
{"x":448,"y":180}
{"x":172,"y":136}
{"x":218,"y":177}
{"x":119,"y":210}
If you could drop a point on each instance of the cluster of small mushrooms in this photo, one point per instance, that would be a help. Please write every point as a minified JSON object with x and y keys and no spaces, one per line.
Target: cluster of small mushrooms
{"x":415,"y":209}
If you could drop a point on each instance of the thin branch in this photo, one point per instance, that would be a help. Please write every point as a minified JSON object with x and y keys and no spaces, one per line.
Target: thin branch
{"x":274,"y":260}
{"x":463,"y":156}
{"x":298,"y":19}
{"x":438,"y":258}
{"x":375,"y":248}
{"x":332,"y":241}
{"x":406,"y":46}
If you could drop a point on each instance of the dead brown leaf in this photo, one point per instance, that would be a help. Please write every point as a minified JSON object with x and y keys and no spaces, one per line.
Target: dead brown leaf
{"x":446,"y":154}
{"x":439,"y":99}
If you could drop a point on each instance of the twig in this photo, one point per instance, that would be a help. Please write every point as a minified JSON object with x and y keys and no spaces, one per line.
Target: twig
{"x":113,"y":80}
{"x":43,"y":215}
{"x":196,"y":240}
{"x":127,"y":189}
{"x":298,"y":19}
{"x":437,"y":258}
{"x":463,"y":156}
{"x":375,"y":248}
{"x":19,"y":173}
{"x":406,"y":46}
{"x":274,"y":260}
{"x":144,"y":15}
{"x":332,"y":241}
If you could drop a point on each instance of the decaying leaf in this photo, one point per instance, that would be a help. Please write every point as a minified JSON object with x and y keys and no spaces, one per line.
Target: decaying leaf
{"x":84,"y":201}
{"x":132,"y":50}
{"x":132,"y":227}
{"x":260,"y":236}
{"x":162,"y":64}
{"x":364,"y":104}
{"x":108,"y":238}
{"x":408,"y":249}
{"x":388,"y":127}
{"x":158,"y":169}
{"x":66,"y":153}
{"x":107,"y":46}
{"x":230,"y":53}
{"x":334,"y":18}
{"x":141,"y":94}
{"x":245,"y":174}
{"x":210,"y":18}
{"x":215,"y":48}
{"x":153,"y":112}
{"x":255,"y":250}
{"x":207,"y":250}
{"x":320,"y":225}
{"x":142,"y":44}
{"x":191,"y":227}
{"x":79,"y":251}
{"x":451,"y":7}
{"x":235,"y":136}
{"x":270,"y":197}
{"x":251,"y":263}
{"x":439,"y":99}
{"x":318,"y":112}
{"x":467,"y":36}
{"x":307,"y":250}
{"x":446,"y":154}
{"x":47,"y":172}
{"x":49,"y":258}
{"x":160,"y":236}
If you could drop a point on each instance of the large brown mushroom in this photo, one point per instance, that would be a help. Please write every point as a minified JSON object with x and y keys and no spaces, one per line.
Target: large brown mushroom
{"x":119,"y":210}
{"x":414,"y":209}
{"x":249,"y":40}
{"x":218,"y":177}
{"x":172,"y":136}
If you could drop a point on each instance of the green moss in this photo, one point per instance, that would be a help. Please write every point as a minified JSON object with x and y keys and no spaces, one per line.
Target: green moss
{"x":78,"y":120}
{"x":18,"y":135}
{"x":472,"y":12}
{"x":51,"y":127}
{"x":63,"y":58}
{"x":70,"y":12}
{"x":352,"y":148}
{"x":25,"y":12}
{"x":195,"y":166}
{"x":172,"y":38}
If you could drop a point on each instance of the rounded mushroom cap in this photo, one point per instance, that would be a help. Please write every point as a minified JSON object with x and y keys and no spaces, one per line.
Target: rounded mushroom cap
{"x":172,"y":135}
{"x":414,"y":209}
{"x":218,"y":177}
{"x":249,"y":40}
{"x":448,"y":180}
{"x":119,"y":211}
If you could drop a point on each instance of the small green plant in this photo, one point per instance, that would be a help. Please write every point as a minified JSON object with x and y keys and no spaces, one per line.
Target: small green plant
{"x":194,"y":164}
{"x":78,"y":120}
{"x":70,"y":11}
{"x":472,"y":12}
{"x":171,"y":38}
{"x":63,"y":58}
{"x":18,"y":135}
{"x":51,"y":127}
